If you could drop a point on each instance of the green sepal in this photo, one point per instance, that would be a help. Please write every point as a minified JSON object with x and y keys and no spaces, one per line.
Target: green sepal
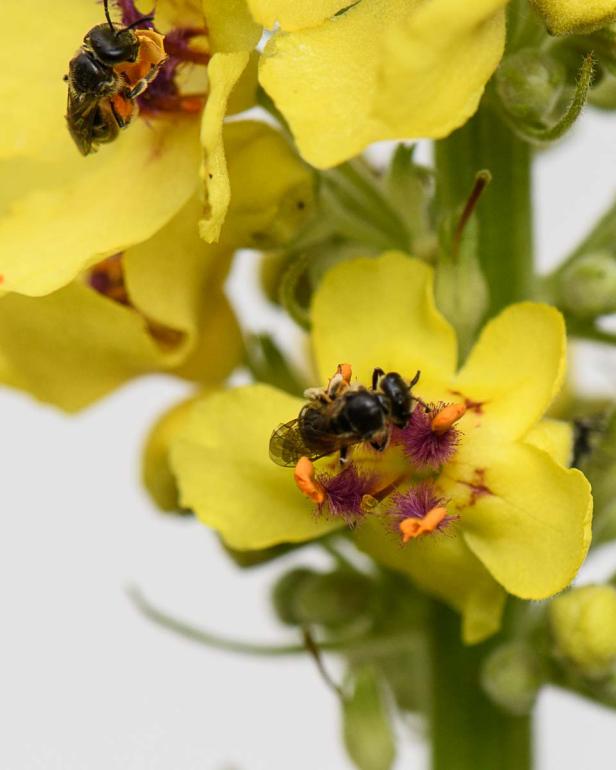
{"x":268,"y":364}
{"x":461,"y":290}
{"x":247,"y":559}
{"x":409,"y":188}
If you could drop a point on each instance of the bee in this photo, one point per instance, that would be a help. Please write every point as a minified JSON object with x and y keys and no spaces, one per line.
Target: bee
{"x":341,"y":415}
{"x":111,"y":69}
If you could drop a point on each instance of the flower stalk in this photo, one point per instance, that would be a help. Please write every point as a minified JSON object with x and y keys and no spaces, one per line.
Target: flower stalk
{"x":468,"y":730}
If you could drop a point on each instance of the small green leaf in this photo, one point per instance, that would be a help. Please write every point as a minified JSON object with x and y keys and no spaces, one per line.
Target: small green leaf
{"x":368,"y":734}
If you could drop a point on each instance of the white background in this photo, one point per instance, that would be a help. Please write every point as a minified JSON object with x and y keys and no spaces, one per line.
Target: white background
{"x":87,"y":684}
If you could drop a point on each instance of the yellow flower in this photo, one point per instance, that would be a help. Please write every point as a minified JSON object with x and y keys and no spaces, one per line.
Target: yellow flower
{"x":522,"y":519}
{"x":105,"y":274}
{"x":61,"y":212}
{"x":348,"y":74}
{"x":564,"y":17}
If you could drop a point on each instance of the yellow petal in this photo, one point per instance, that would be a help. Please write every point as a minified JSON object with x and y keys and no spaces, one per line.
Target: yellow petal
{"x":244,"y":94}
{"x":555,"y":437}
{"x":33,"y":60}
{"x":224,"y":71}
{"x":383,"y":69}
{"x":168,"y":277}
{"x":226,"y":477}
{"x":525,"y":517}
{"x":294,"y":14}
{"x":74,"y":346}
{"x":436,"y":65}
{"x":230,"y":26}
{"x":516,"y":368}
{"x":443,"y":566}
{"x":380,"y":312}
{"x":272,"y":192}
{"x":564,"y":17}
{"x":70,"y":212}
{"x":219,"y":347}
{"x":175,"y":279}
{"x":175,"y":13}
{"x":156,"y":472}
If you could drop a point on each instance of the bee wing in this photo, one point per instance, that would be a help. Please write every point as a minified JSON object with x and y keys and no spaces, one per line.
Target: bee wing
{"x":81,"y":117}
{"x":287,"y":445}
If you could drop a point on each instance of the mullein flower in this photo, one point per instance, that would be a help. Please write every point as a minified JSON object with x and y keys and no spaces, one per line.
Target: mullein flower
{"x":60,"y":213}
{"x":112,"y":241}
{"x":501,"y":512}
{"x":348,"y":74}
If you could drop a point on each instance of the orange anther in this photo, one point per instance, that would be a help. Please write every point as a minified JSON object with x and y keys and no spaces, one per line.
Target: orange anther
{"x":346,"y":372}
{"x":306,"y":482}
{"x":413,"y":527}
{"x":446,"y":417}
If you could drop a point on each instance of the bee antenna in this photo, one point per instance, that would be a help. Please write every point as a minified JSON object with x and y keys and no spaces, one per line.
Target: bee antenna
{"x":107,"y":16}
{"x":138,"y":22}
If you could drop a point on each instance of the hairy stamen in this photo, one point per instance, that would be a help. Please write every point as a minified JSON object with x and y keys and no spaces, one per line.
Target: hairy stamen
{"x":430,"y":438}
{"x":419,"y":511}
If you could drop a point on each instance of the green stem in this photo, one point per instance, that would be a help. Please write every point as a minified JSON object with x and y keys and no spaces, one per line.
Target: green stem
{"x":505,"y":211}
{"x":469,"y":732}
{"x":370,"y":646}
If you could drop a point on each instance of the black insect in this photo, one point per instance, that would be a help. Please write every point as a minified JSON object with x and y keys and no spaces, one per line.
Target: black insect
{"x":587,"y":433}
{"x":342,"y":415}
{"x":100,"y":101}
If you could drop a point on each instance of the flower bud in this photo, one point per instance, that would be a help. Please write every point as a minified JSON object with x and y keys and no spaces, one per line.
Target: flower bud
{"x":587,"y":286}
{"x":583,"y":625}
{"x":511,"y":676}
{"x":529,"y":84}
{"x":334,"y":599}
{"x":565,"y":17}
{"x":284,"y":594}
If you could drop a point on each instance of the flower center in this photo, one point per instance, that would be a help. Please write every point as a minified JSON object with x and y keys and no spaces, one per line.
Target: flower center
{"x":164,"y":94}
{"x":399,"y":482}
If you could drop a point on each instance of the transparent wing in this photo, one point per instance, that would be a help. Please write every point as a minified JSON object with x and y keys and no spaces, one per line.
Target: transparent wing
{"x":81,"y":117}
{"x":287,"y":444}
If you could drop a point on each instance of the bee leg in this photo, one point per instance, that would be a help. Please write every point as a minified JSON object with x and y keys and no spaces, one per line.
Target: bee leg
{"x":139,"y":87}
{"x":343,"y":455}
{"x":380,"y":445}
{"x":142,"y":85}
{"x":376,"y":375}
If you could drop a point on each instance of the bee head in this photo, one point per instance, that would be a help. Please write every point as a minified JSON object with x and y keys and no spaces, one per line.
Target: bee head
{"x":398,"y":397}
{"x":113,"y":46}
